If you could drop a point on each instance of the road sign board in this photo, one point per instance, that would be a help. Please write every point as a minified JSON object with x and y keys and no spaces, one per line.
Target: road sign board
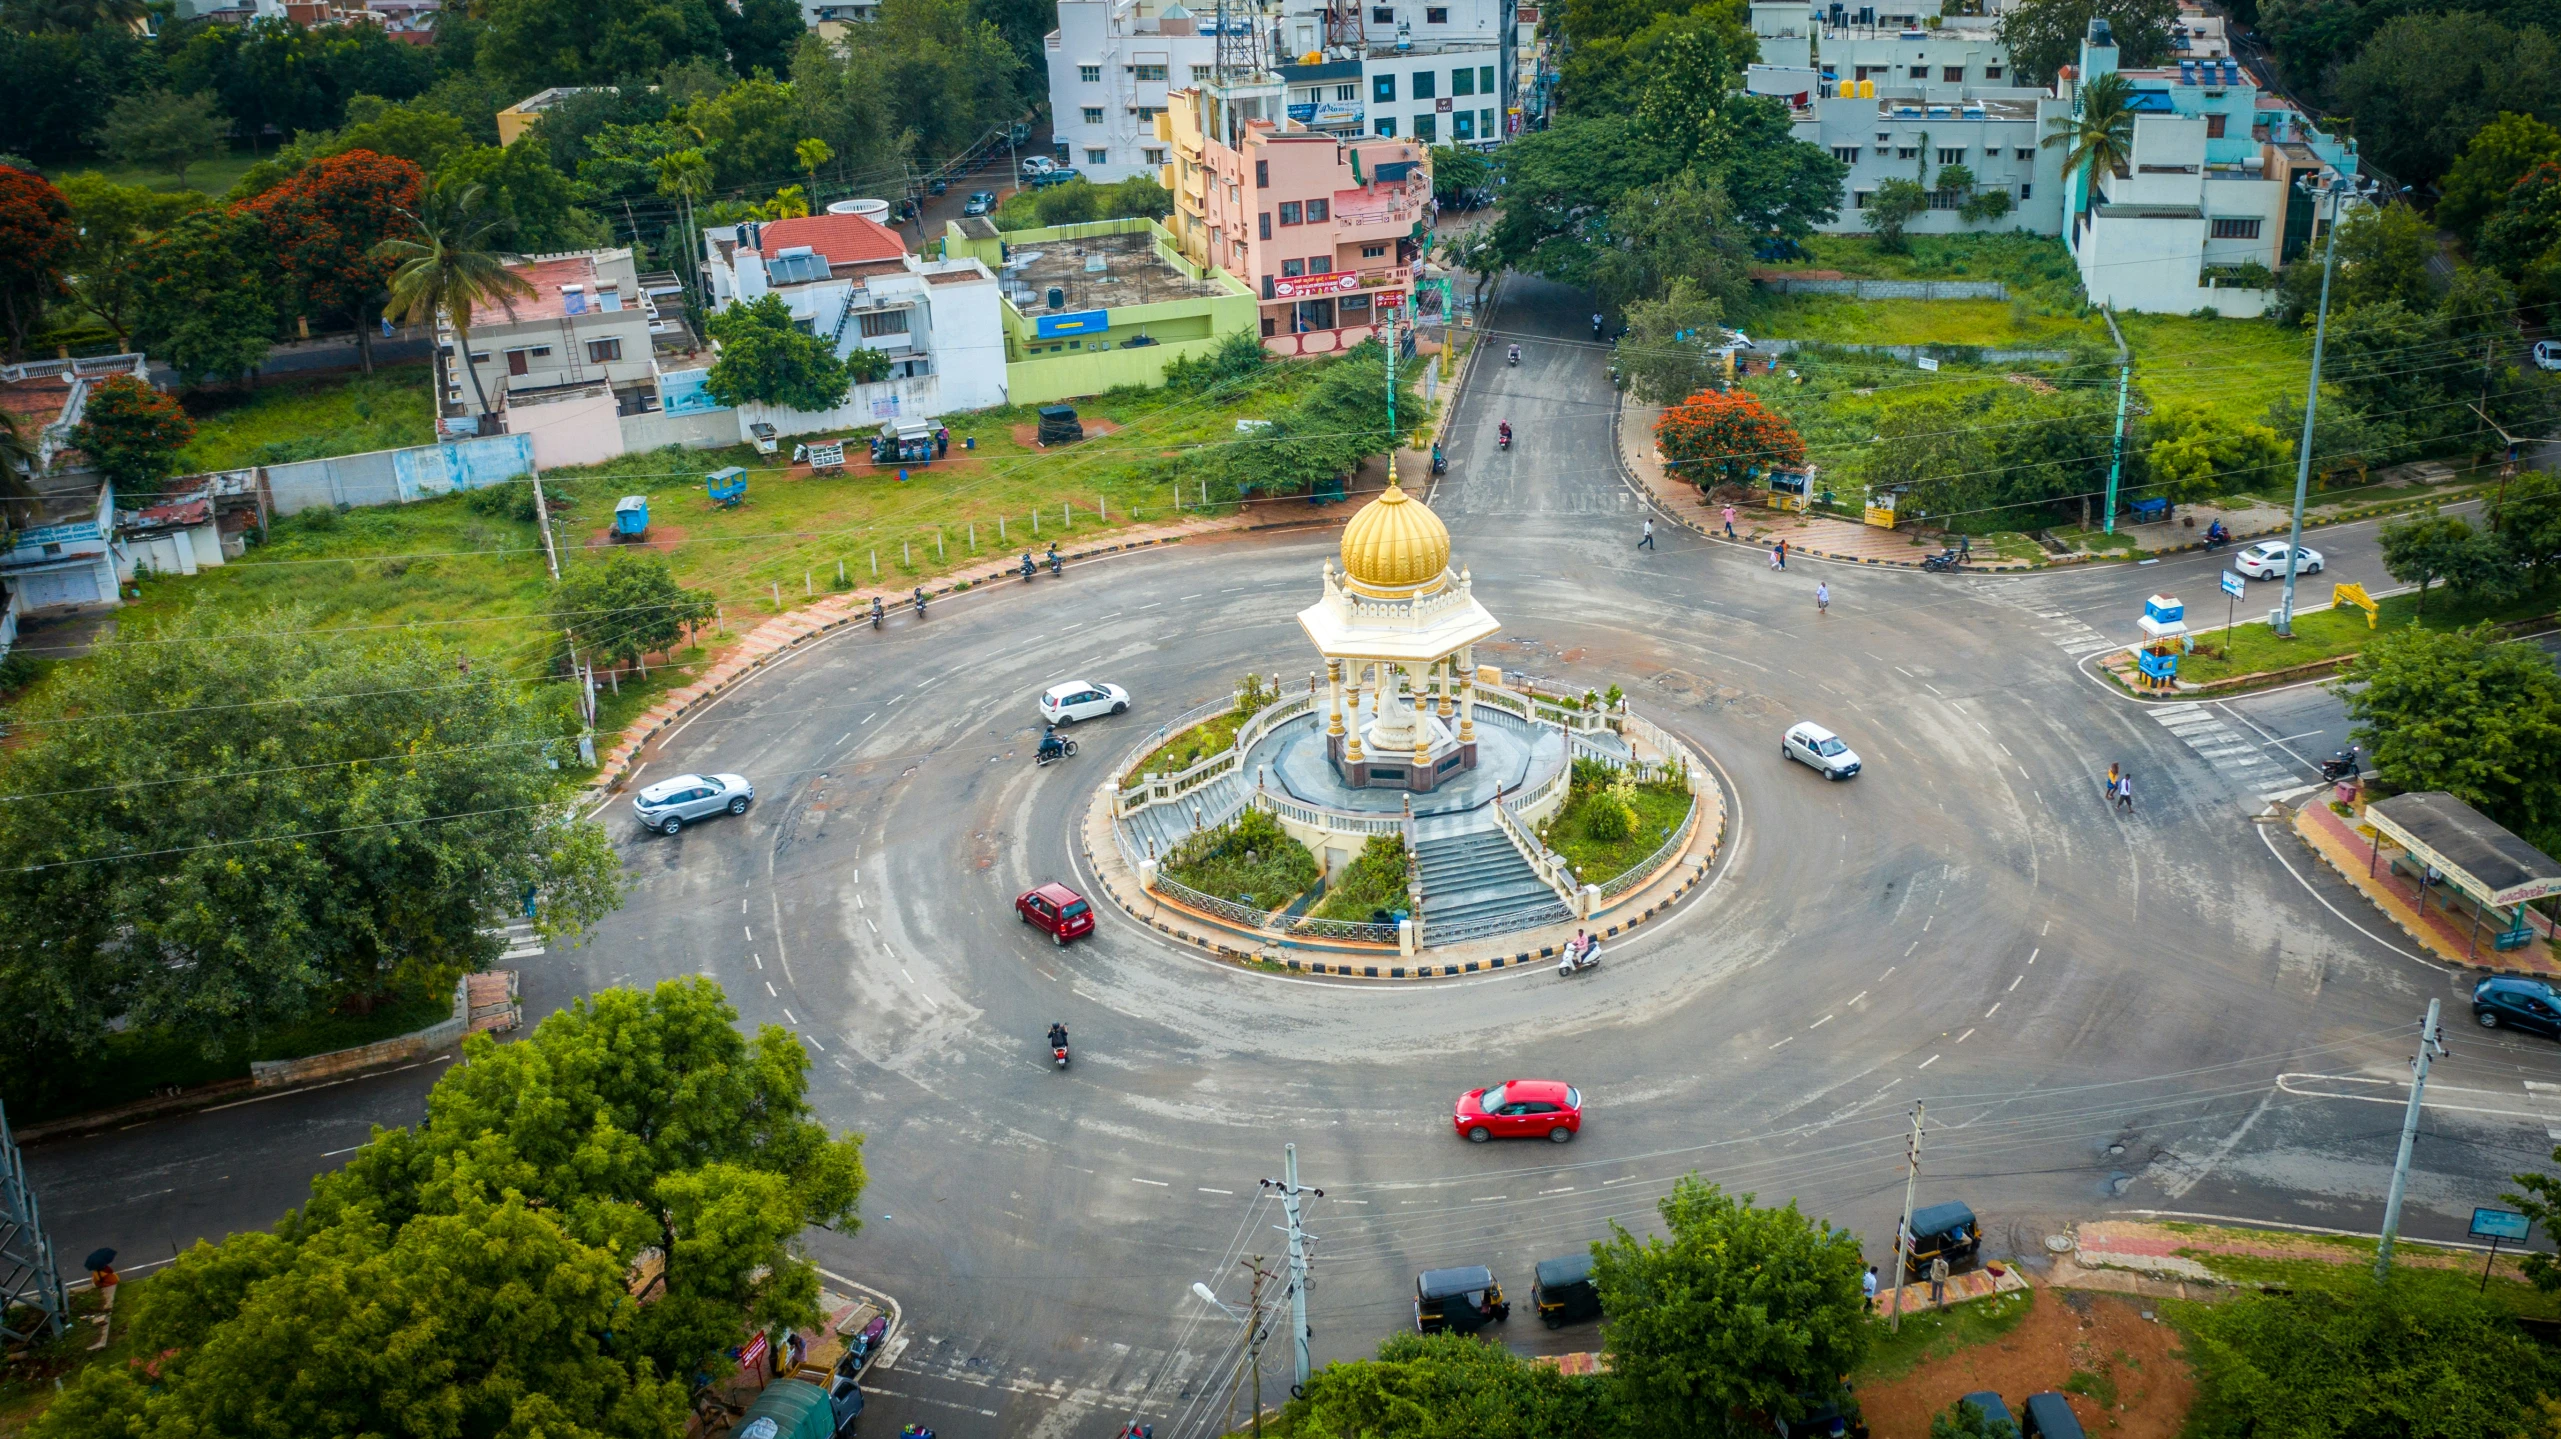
{"x":2500,"y":1224}
{"x":2234,"y":585}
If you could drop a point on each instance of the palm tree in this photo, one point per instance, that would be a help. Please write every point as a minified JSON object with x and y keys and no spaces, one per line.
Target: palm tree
{"x":686,"y":176}
{"x":812,"y":153}
{"x":2100,"y":131}
{"x":451,"y":269}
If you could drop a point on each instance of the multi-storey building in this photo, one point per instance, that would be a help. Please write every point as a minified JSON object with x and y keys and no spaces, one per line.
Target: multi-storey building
{"x":588,"y":321}
{"x":1999,"y":141}
{"x":1325,"y":228}
{"x":1907,"y":47}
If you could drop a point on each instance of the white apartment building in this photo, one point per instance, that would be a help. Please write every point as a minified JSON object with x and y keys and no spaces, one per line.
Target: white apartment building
{"x":1999,"y":140}
{"x":940,"y":322}
{"x":588,"y":322}
{"x":1441,"y":73}
{"x":1907,"y":47}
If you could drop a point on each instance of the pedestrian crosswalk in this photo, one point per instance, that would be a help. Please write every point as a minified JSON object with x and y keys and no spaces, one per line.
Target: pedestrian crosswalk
{"x":2056,"y":627}
{"x":523,"y":941}
{"x":2232,"y":754}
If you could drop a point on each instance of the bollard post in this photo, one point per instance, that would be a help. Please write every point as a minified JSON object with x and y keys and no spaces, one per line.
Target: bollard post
{"x":875,"y":564}
{"x":906,"y":556}
{"x":1000,"y":529}
{"x":938,"y":544}
{"x":1035,"y":523}
{"x":808,"y":583}
{"x":778,"y":599}
{"x":1103,"y":506}
{"x":1067,"y":514}
{"x":973,"y":537}
{"x":840,"y":574}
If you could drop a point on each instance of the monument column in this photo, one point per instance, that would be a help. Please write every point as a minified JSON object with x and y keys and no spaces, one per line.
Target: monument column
{"x":1352,"y":744}
{"x":1422,"y":687}
{"x":1334,"y":696}
{"x":1467,"y":695}
{"x":1444,"y":667}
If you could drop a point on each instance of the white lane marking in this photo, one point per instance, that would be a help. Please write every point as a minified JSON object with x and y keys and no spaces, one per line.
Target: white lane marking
{"x":1995,"y":1009}
{"x":1205,"y":1189}
{"x":1568,"y":1189}
{"x":814,"y":1044}
{"x":751,"y":932}
{"x":1818,"y":1024}
{"x":849,"y":734}
{"x":1916,"y":944}
{"x":867,"y":719}
{"x":1160,"y":1184}
{"x":1791,"y":1039}
{"x":769,"y":989}
{"x":1969,"y":1034}
{"x":2014,"y":984}
{"x":1888,"y":974}
{"x":1926,"y":1063}
{"x":1862,"y":994}
{"x":1489,"y":1199}
{"x":787,"y":1016}
{"x":325,"y":1154}
{"x":2033,"y":953}
{"x":1606,"y":1183}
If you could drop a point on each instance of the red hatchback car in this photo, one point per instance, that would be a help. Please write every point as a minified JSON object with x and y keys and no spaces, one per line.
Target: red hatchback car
{"x":1521,"y":1109}
{"x":1057,"y":909}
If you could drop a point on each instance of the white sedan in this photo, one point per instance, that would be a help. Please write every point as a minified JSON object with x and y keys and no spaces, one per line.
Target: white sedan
{"x":2267,"y":561}
{"x":2547,"y":354}
{"x":1081,"y":699}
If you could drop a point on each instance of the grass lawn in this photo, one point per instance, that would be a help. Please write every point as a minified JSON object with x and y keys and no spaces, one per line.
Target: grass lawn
{"x":2323,"y":634}
{"x":1373,"y":881}
{"x":1180,"y":752}
{"x":2340,"y":1261}
{"x":1250,"y":860}
{"x":214,"y":177}
{"x":1659,"y":811}
{"x":2235,"y":368}
{"x":1844,"y":320}
{"x":310,"y":419}
{"x":1935,"y":1334}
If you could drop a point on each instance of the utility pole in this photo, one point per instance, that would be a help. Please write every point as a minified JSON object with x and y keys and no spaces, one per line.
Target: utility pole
{"x":1254,"y":1339}
{"x":1289,"y":1190}
{"x":2116,"y":451}
{"x":2429,"y":1044}
{"x":2311,"y":401}
{"x":1903,"y":1234}
{"x":1391,"y":404}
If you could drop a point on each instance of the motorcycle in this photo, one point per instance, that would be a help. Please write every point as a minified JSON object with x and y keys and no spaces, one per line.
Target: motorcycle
{"x":2217,"y":537}
{"x":1942,"y":562}
{"x":1027,"y":569}
{"x":1440,"y":462}
{"x":1059,"y":1054}
{"x":920,"y":604}
{"x":2342,"y":765}
{"x":876,"y":612}
{"x":1055,"y":569}
{"x":1503,"y":440}
{"x":1516,"y":356}
{"x":1052,"y":749}
{"x":1574,"y":964}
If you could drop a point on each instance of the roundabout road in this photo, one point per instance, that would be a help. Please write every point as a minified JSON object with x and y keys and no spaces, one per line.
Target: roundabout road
{"x":2097,"y":1007}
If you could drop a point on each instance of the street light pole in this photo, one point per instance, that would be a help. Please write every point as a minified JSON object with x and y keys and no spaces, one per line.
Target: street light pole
{"x":1290,"y":1189}
{"x":2429,"y":1043}
{"x":2311,"y":402}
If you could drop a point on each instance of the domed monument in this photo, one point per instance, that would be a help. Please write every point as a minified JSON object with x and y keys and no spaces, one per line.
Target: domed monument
{"x":1398,"y":631}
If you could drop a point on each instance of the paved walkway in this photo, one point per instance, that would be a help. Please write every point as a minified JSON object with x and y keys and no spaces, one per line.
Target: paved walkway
{"x":1963,"y":1288}
{"x":2182,"y":1251}
{"x":2449,"y":936}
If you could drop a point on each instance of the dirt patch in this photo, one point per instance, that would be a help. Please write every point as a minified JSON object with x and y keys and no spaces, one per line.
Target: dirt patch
{"x":2124,"y":1374}
{"x":660,"y":537}
{"x":1028,"y":436}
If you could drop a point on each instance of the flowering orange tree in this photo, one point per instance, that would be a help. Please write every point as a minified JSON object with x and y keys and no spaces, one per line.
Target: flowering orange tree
{"x":36,"y":239}
{"x":132,"y":433}
{"x":1722,"y":437}
{"x":324,"y":226}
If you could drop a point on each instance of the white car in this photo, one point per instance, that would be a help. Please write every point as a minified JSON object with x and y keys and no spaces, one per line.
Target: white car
{"x":1810,"y":743}
{"x":666,"y":805}
{"x":2547,"y":354}
{"x":2266,"y":560}
{"x":1081,"y":699}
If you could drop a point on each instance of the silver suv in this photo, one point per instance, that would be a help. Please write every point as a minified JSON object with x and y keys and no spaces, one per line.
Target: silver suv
{"x":666,"y":805}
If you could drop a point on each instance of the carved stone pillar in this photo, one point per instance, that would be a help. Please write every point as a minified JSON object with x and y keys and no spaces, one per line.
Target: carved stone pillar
{"x":1422,"y":708}
{"x":1352,"y":743}
{"x":1334,"y":697}
{"x":1444,"y":668}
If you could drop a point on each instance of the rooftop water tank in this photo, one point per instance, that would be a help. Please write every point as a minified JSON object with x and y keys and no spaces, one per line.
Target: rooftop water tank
{"x":876,"y":211}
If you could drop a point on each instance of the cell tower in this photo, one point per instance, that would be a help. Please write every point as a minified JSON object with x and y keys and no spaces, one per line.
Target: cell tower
{"x":28,"y":1278}
{"x":1346,"y":29}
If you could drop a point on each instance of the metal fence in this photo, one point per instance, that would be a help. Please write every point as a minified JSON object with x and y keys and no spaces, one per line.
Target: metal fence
{"x":1637,"y":873}
{"x":1226,"y":909}
{"x":1273,"y":924}
{"x":1553,"y":912}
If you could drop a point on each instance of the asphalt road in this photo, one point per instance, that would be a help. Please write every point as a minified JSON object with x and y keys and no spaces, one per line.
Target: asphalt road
{"x":2163,"y":1011}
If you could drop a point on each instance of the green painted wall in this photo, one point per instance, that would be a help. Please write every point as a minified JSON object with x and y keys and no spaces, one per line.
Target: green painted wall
{"x":1040,"y":372}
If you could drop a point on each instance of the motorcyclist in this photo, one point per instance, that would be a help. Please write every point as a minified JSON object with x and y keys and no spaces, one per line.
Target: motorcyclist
{"x":1053,"y":559}
{"x":2215,"y":534}
{"x":1050,"y":743}
{"x":1596,"y":324}
{"x":1506,"y":433}
{"x":1516,"y":354}
{"x":1440,"y":462}
{"x":920,"y":601}
{"x":1057,"y":1035}
{"x":877,"y":611}
{"x":1027,"y":564}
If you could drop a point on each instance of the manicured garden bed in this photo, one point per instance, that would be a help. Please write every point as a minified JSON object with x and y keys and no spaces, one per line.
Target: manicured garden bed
{"x":1373,"y":882}
{"x":1597,"y":850}
{"x":1249,"y":860}
{"x":2254,"y":648}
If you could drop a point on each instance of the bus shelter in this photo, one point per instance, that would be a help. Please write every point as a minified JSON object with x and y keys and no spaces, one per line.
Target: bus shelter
{"x":2458,"y":848}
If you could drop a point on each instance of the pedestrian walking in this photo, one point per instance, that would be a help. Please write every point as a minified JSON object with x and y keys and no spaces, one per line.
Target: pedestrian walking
{"x":2114,"y":772}
{"x":1647,"y":543}
{"x":1729,"y":522}
{"x":1778,"y":560}
{"x":1867,"y":1285}
{"x":1782,"y":554}
{"x":2125,"y":793}
{"x":1822,"y":598}
{"x":1938,"y":1282}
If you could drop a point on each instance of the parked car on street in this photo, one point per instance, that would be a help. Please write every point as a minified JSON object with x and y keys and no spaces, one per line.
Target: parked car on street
{"x":1059,"y":176}
{"x":2517,"y":1003}
{"x":667,"y":805}
{"x":980,"y":202}
{"x":1037,"y":165}
{"x":1460,"y":1300}
{"x":1058,"y":911}
{"x":2266,"y":560}
{"x":1811,"y":744}
{"x":1520,"y":1109}
{"x":1080,"y":699}
{"x":2547,"y":354}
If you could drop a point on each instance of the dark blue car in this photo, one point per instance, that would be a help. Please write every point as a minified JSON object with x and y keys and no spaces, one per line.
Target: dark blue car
{"x":2509,"y":1001}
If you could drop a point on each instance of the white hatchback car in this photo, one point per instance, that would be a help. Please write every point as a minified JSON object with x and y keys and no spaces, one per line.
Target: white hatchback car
{"x":668,"y":804}
{"x":1081,"y":699}
{"x":1810,"y":743}
{"x":2547,"y":354}
{"x":2266,"y":560}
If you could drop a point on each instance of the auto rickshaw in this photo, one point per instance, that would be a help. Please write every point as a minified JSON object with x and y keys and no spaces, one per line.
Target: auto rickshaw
{"x":1942,"y":1229}
{"x":1564,"y":1292}
{"x":1459,"y":1300}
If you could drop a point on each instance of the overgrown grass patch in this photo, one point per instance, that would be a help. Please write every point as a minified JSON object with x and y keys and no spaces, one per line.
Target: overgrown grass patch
{"x":1250,"y":860}
{"x":1598,"y":850}
{"x":310,"y":419}
{"x":1846,"y":320}
{"x":1937,"y":1333}
{"x":213,"y":176}
{"x":1374,"y":882}
{"x":2254,"y":648}
{"x":28,"y":1382}
{"x":2233,"y":368}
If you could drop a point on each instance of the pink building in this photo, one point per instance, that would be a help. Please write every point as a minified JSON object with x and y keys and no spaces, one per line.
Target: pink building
{"x":1325,"y":230}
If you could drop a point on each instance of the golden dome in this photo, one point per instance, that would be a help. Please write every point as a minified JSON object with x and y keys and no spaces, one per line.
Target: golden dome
{"x":1395,"y":543}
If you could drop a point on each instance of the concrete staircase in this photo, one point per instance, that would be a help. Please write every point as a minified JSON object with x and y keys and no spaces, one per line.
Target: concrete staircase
{"x":1169,"y":824}
{"x":1477,"y":879}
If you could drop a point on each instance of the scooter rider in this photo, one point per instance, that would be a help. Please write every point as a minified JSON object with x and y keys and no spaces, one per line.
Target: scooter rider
{"x":1506,"y":434}
{"x":1057,"y":1035}
{"x":1053,"y":559}
{"x":920,"y":602}
{"x":1027,"y":566}
{"x":1516,"y":355}
{"x":1596,"y":324}
{"x":877,"y":611}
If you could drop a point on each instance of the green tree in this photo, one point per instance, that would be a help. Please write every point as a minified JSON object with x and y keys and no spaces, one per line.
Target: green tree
{"x":416,"y":131}
{"x":812,"y":153}
{"x":1457,"y":169}
{"x":1138,"y":197}
{"x":452,"y":266}
{"x":2197,"y":451}
{"x":1892,"y":205}
{"x":132,"y":433}
{"x":110,"y":222}
{"x":1965,"y":1419}
{"x":36,"y":241}
{"x":1682,"y":230}
{"x":2043,"y":36}
{"x":200,"y":297}
{"x":534,"y":43}
{"x":2383,"y":255}
{"x":945,"y":75}
{"x":2097,"y":135}
{"x":2426,"y":84}
{"x":767,"y":359}
{"x":61,"y":82}
{"x":239,"y":821}
{"x":1737,"y":1315}
{"x":2424,"y":549}
{"x":750,"y":130}
{"x":760,"y":35}
{"x":626,"y":608}
{"x":162,"y":130}
{"x":2463,"y":712}
{"x":539,"y":210}
{"x":2523,"y":240}
{"x":19,"y":464}
{"x":2496,"y":157}
{"x":2527,"y":519}
{"x":1446,"y":1386}
{"x":1670,"y":349}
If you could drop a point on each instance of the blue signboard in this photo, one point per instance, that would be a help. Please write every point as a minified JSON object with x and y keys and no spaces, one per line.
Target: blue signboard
{"x":2500,"y":1224}
{"x":1076,"y":322}
{"x":2234,"y":586}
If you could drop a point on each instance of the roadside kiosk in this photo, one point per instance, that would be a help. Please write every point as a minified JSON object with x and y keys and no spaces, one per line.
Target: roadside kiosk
{"x":2165,"y":633}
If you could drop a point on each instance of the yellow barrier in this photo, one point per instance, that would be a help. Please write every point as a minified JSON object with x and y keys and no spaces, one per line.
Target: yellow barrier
{"x":2356,"y":595}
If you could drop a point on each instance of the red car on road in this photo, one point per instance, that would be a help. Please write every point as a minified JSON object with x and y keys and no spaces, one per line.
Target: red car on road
{"x":1057,"y":909}
{"x":1520,"y":1109}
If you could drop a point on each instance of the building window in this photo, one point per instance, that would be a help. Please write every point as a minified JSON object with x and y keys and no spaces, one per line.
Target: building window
{"x":1152,"y":157}
{"x":1462,"y":125}
{"x":1266,"y":225}
{"x":1485,"y":124}
{"x":1946,"y":199}
{"x":1952,"y":74}
{"x":605,"y":351}
{"x":2027,"y":152}
{"x":2236,"y":229}
{"x":1951,"y":157}
{"x":1920,"y":72}
{"x":1906,"y":153}
{"x":1384,"y":125}
{"x":1858,"y":199}
{"x":1319,"y":211}
{"x":1262,"y":174}
{"x":1382,"y":90}
{"x":1347,"y":92}
{"x":1289,"y":212}
{"x":884,"y":322}
{"x":1462,"y":81}
{"x":1426,"y":84}
{"x":1292,"y":269}
{"x":2027,"y":192}
{"x":1269,"y":328}
{"x":1373,"y":252}
{"x":1382,"y":15}
{"x":1095,"y":155}
{"x":1435,"y":14}
{"x":1427,"y":128}
{"x":1846,"y":154}
{"x":1991,"y":72}
{"x":1319,"y":264}
{"x":1155,"y":73}
{"x":1146,"y":114}
{"x":1090,"y":74}
{"x":1484,"y":79}
{"x":1093,"y":114}
{"x":1202,"y":72}
{"x":2214,"y":127}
